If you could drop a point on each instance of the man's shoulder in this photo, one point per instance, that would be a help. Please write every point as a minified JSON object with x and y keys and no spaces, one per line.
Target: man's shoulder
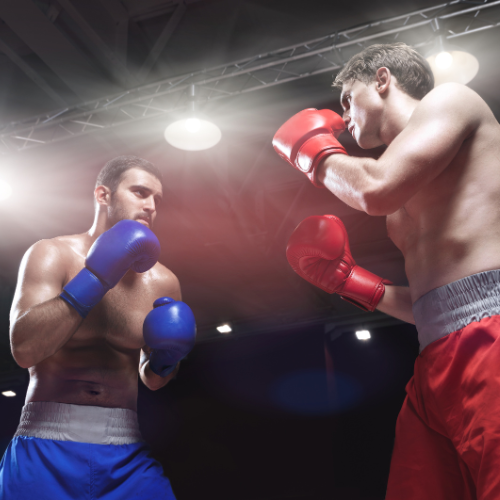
{"x":450,"y":90}
{"x":453,"y":95}
{"x":59,"y":246}
{"x":453,"y":105}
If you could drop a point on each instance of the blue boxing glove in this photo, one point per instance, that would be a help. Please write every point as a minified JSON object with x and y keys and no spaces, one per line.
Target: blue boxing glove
{"x":170,"y":330}
{"x":127,"y":245}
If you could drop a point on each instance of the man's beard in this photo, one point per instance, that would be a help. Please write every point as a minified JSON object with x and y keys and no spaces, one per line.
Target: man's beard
{"x":117,"y":213}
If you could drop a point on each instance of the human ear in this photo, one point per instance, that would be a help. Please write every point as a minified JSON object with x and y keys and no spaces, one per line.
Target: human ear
{"x":382,"y":79}
{"x":102,"y":195}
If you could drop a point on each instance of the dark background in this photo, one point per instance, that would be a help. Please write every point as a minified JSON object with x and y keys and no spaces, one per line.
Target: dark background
{"x":290,"y":405}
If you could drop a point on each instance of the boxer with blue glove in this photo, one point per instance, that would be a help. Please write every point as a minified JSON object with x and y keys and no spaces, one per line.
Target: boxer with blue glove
{"x":77,"y":324}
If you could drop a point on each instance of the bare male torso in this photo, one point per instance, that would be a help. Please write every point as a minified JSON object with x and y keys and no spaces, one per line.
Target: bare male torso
{"x":451,"y":228}
{"x":99,"y":364}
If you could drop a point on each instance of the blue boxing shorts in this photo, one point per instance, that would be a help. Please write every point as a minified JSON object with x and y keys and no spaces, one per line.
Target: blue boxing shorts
{"x":63,"y":451}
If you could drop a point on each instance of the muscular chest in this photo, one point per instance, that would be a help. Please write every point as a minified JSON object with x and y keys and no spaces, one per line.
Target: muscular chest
{"x":118,"y":318}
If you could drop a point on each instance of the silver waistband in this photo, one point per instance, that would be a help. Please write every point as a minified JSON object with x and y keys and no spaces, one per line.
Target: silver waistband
{"x":451,"y":307}
{"x":85,"y":424}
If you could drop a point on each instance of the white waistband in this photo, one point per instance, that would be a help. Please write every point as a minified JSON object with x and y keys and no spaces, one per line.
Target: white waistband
{"x":452,"y":307}
{"x":85,"y":424}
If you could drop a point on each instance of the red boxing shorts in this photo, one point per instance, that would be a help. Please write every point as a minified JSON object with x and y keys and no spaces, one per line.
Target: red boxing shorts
{"x":448,"y":431}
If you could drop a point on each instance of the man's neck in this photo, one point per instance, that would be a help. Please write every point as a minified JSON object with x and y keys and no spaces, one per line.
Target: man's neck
{"x":100,"y":225}
{"x":397,"y":114}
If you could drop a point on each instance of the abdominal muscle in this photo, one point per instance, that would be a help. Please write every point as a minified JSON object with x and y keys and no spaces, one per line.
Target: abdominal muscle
{"x":447,"y":237}
{"x":87,"y":373}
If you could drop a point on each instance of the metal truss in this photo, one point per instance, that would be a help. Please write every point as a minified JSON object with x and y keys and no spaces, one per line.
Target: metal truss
{"x":326,"y":54}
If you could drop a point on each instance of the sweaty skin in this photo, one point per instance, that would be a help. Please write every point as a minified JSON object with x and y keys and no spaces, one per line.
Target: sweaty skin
{"x":93,"y":361}
{"x":438,"y":182}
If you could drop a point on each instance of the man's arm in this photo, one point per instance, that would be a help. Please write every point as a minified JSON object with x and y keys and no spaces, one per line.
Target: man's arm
{"x":439,"y":125}
{"x":40,"y":321}
{"x":396,"y":302}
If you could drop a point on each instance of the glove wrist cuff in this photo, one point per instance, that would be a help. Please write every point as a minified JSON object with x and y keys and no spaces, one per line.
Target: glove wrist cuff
{"x":364,"y":289}
{"x":313,"y":151}
{"x":83,"y":292}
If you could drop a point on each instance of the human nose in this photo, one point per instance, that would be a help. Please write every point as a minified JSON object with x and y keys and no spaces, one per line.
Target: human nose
{"x":149,"y":204}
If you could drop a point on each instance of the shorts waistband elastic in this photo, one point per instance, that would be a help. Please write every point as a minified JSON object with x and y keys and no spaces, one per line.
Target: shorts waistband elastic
{"x":84,"y":424}
{"x":452,"y":307}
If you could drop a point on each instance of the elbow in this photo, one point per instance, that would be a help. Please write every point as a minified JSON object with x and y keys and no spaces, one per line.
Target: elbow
{"x":22,"y":358}
{"x":21,"y":352}
{"x":381,"y":202}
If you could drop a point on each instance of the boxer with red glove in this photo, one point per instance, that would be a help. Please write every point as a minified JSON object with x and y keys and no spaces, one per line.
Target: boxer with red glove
{"x":318,"y":250}
{"x":307,"y":138}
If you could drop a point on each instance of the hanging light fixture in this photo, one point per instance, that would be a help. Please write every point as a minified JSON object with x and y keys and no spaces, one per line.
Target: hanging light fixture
{"x":193,"y":132}
{"x":449,"y":63}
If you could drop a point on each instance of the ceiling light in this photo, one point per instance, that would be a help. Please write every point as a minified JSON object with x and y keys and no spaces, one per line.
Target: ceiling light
{"x":5,"y":190}
{"x":363,"y":334}
{"x":193,"y":132}
{"x":225,"y":328}
{"x":450,"y":63}
{"x":453,"y":66}
{"x":8,"y":394}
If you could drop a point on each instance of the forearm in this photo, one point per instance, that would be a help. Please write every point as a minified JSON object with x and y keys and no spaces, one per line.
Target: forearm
{"x":396,"y":302}
{"x":148,"y":377}
{"x":352,"y":180}
{"x":42,"y":330}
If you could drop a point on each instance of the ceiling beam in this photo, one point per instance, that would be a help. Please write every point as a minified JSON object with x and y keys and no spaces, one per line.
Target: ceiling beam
{"x":162,"y":41}
{"x":120,"y":16}
{"x":55,"y":50}
{"x":32,"y":74}
{"x":98,"y":47}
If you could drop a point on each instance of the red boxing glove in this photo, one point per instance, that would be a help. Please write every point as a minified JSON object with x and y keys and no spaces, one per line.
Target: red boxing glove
{"x":308,"y":137}
{"x":318,"y":250}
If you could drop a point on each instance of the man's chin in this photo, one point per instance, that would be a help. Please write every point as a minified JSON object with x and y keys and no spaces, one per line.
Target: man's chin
{"x":365,"y":143}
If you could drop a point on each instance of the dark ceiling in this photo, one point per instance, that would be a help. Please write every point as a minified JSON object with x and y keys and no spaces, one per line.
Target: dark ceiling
{"x":230,"y":210}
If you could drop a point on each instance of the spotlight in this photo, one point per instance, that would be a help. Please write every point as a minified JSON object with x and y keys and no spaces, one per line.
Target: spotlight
{"x":363,"y":334}
{"x":192,"y":132}
{"x":8,"y":394}
{"x":225,"y":328}
{"x":5,"y":190}
{"x":450,"y":63}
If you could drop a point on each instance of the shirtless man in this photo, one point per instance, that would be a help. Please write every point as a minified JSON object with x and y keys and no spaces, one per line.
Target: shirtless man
{"x":77,"y":325}
{"x":438,"y":184}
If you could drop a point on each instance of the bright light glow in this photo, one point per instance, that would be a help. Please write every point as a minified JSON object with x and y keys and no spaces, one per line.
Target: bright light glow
{"x":444,"y":60}
{"x":225,"y":328}
{"x":5,"y":190}
{"x":8,"y":394}
{"x":363,"y":334}
{"x":453,"y":66}
{"x":193,"y":134}
{"x":192,"y":125}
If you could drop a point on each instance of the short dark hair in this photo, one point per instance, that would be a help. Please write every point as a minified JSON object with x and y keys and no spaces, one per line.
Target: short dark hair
{"x":111,"y":174}
{"x":412,"y":71}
